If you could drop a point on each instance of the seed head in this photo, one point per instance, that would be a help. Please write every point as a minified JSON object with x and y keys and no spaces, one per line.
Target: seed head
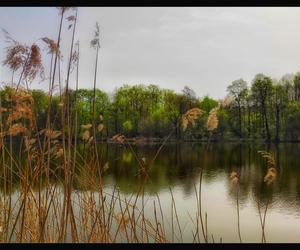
{"x":106,"y":167}
{"x":51,"y":45}
{"x":269,"y":157}
{"x":190,"y":117}
{"x":212,"y":120}
{"x":271,"y":176}
{"x":100,"y":127}
{"x":234,"y":178}
{"x":95,"y":42}
{"x":16,"y":129}
{"x":34,"y":63}
{"x":86,"y":126}
{"x":118,"y":138}
{"x":86,"y":135}
{"x":60,"y":153}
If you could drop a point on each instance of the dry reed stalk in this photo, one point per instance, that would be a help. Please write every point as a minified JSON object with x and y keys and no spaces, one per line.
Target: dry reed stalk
{"x":162,"y":217}
{"x":110,"y":211}
{"x":121,"y":221}
{"x":235,"y":183}
{"x":45,"y":213}
{"x":200,"y":207}
{"x":176,"y":215}
{"x":95,"y":43}
{"x":4,"y":225}
{"x":48,"y":122}
{"x":132,"y":220}
{"x":269,"y":178}
{"x":101,"y":223}
{"x":263,"y":237}
{"x":206,"y":226}
{"x":66,"y":109}
{"x":74,"y":230}
{"x":197,"y":233}
{"x":157,"y":235}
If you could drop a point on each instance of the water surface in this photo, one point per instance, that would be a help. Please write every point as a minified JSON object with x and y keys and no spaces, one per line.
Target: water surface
{"x":178,"y":167}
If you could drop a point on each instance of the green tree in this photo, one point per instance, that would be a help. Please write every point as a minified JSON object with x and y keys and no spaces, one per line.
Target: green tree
{"x":297,"y":86}
{"x":262,"y":91}
{"x":238,"y":90}
{"x":280,"y":101}
{"x":127,"y":126}
{"x":292,"y":128}
{"x":41,"y":106}
{"x":208,"y":104}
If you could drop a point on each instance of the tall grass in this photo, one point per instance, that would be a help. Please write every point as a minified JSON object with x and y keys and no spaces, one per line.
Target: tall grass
{"x":46,"y":207}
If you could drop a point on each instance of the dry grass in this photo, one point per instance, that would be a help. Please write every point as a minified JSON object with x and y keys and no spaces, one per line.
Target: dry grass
{"x":212,"y":120}
{"x":43,"y":210}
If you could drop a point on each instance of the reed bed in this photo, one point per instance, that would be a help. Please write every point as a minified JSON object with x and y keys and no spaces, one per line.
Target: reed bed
{"x":47,"y":164}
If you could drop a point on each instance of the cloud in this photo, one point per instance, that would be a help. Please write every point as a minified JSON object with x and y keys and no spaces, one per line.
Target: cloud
{"x":204,"y":47}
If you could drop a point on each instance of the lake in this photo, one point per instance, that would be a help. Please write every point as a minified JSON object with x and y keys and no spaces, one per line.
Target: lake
{"x":177,"y":169}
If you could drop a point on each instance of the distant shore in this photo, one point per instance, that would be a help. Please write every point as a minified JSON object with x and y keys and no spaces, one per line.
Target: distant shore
{"x":149,"y":140}
{"x":154,"y":140}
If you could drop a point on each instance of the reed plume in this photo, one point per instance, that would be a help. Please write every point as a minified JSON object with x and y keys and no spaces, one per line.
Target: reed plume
{"x":118,"y":138}
{"x":15,"y":56}
{"x":86,"y":126}
{"x":51,"y":45}
{"x":34,"y":64}
{"x":190,"y":117}
{"x":269,"y":179}
{"x":212,"y":120}
{"x":271,"y":176}
{"x":269,"y":157}
{"x":100,"y":127}
{"x":234,"y":178}
{"x":86,"y":135}
{"x":20,"y":112}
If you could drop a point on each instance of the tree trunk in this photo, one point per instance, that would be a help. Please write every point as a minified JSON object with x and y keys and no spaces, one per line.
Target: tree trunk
{"x":240,"y":120}
{"x":277,"y":123}
{"x":266,"y":122}
{"x":249,"y":122}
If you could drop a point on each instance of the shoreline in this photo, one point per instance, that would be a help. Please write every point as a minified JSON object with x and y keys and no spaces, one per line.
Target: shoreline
{"x":233,"y":140}
{"x":152,"y":140}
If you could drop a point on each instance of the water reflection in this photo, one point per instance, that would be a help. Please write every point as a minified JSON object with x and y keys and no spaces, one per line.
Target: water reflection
{"x":178,"y":166}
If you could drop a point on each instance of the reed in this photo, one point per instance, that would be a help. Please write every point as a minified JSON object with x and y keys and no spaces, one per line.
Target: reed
{"x":235,"y":185}
{"x":44,"y":210}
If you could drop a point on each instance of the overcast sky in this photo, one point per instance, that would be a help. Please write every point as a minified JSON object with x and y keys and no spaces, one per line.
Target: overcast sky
{"x":205,"y":48}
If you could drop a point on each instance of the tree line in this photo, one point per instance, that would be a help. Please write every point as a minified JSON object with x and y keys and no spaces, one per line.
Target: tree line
{"x":267,"y":109}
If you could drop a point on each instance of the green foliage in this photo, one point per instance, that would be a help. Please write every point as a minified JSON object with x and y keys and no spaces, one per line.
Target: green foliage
{"x":41,"y":105}
{"x":207,"y":104}
{"x":262,"y":88}
{"x":297,"y":86}
{"x":127,"y":126}
{"x":268,"y":109}
{"x":292,"y":129}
